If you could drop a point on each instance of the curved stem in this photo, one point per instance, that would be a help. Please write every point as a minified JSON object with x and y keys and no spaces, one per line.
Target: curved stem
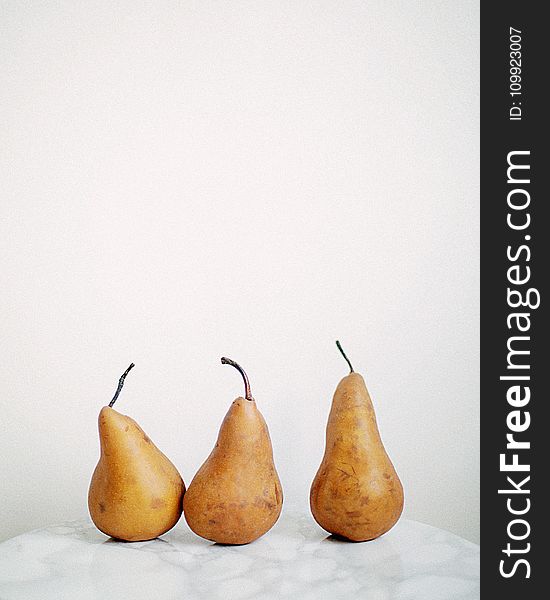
{"x":247,"y":393}
{"x":121,"y":383}
{"x":344,"y":355}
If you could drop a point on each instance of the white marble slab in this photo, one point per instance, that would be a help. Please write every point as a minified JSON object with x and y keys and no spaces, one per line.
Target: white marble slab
{"x":296,"y":560}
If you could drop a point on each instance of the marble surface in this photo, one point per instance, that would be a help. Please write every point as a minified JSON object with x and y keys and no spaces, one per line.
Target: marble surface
{"x":296,"y":560}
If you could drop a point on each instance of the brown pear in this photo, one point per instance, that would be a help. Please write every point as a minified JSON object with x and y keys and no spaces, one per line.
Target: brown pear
{"x":136,"y":492}
{"x":236,"y":495}
{"x":356,"y":493}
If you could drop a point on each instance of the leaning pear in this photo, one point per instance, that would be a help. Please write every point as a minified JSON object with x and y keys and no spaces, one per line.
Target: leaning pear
{"x":136,"y":492}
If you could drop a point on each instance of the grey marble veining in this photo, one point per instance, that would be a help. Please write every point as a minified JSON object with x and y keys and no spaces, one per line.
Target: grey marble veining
{"x":295,"y":560}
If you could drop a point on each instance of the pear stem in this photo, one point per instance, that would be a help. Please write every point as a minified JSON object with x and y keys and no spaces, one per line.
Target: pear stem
{"x":344,"y":355}
{"x":247,"y":392}
{"x":121,"y":383}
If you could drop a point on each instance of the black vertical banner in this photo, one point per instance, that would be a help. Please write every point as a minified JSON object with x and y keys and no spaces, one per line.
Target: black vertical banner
{"x":515,"y":351}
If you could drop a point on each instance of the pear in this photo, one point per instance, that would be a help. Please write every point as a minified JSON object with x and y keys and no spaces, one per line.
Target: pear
{"x":356,"y":493}
{"x":236,"y":495}
{"x":136,"y":492}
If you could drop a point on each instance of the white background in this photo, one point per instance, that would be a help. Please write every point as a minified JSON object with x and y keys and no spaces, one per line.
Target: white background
{"x":183,"y":180}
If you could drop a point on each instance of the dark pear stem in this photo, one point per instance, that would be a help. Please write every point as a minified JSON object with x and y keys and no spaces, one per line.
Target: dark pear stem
{"x":344,"y":355}
{"x":121,"y":383}
{"x":247,"y":392}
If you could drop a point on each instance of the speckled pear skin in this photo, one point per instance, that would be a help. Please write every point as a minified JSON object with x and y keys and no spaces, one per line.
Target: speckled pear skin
{"x":135,"y":493}
{"x":356,"y":493}
{"x":236,"y":495}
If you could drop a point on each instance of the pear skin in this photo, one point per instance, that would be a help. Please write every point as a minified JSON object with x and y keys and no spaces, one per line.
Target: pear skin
{"x":136,"y":492}
{"x":356,"y":493}
{"x":236,"y":495}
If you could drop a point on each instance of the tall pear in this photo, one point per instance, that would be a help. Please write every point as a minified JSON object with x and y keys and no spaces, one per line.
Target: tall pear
{"x":356,"y":493}
{"x":236,"y":495}
{"x":136,"y":492}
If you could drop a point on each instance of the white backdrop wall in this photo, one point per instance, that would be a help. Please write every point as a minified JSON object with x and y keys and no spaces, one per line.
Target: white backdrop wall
{"x":182,"y":180}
